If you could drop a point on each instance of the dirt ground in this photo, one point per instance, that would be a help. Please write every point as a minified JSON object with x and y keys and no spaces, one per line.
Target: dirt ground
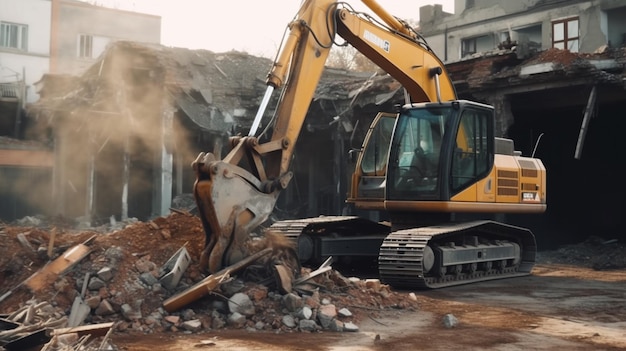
{"x":558,"y":307}
{"x":575,"y":298}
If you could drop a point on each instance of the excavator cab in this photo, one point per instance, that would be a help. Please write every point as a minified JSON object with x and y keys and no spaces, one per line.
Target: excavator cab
{"x":427,"y":152}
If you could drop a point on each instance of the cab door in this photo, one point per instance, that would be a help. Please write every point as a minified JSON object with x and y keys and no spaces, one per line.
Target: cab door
{"x":369,"y":178}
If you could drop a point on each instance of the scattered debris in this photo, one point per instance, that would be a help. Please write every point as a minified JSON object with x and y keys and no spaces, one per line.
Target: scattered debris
{"x":210,"y":283}
{"x":118,"y":284}
{"x":39,"y":325}
{"x":121,"y":281}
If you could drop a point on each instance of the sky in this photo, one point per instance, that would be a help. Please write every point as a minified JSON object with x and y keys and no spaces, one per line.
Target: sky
{"x":252,"y":26}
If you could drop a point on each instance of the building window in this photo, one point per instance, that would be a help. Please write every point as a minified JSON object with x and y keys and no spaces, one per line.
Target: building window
{"x":565,"y":34}
{"x":473,"y":45}
{"x":91,"y":46}
{"x":85,"y":46}
{"x":468,"y":47}
{"x":13,"y":35}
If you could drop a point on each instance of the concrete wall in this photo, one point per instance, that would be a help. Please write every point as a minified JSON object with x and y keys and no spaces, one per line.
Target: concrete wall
{"x":29,"y":65}
{"x":105,"y":25}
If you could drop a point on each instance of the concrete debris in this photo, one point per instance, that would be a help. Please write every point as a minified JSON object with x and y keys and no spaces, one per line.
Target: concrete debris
{"x":117,"y":283}
{"x":241,"y":303}
{"x":289,"y":321}
{"x":172,"y":271}
{"x":344,"y":312}
{"x":450,"y":321}
{"x":105,"y":274}
{"x":192,"y":325}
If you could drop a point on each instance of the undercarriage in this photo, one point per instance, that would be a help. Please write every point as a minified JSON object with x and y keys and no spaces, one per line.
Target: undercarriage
{"x":425,"y":257}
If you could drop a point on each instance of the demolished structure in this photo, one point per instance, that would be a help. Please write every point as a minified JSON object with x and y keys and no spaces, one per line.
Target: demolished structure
{"x":126,"y":131}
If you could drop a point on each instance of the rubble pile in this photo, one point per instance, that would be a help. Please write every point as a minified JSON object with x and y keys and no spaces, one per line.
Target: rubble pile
{"x":120,"y":280}
{"x":595,"y":252}
{"x":39,"y":323}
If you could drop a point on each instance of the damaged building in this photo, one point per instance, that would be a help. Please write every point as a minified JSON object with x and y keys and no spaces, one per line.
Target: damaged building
{"x":126,"y":131}
{"x":37,"y":37}
{"x":554,"y":71}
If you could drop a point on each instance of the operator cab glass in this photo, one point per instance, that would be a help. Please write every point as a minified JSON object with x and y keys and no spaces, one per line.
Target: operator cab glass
{"x":437,"y":150}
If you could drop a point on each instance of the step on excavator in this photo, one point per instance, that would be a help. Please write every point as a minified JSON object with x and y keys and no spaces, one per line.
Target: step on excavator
{"x":435,"y":166}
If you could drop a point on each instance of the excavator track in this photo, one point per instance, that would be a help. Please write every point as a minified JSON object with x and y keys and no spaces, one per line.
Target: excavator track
{"x":454,"y":254}
{"x":418,"y":258}
{"x":320,"y":237}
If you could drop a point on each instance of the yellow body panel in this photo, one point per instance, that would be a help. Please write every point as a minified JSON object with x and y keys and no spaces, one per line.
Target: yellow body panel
{"x":513,"y":179}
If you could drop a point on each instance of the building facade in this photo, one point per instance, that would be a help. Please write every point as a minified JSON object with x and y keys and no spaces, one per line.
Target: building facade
{"x":80,"y":33}
{"x":478,"y":26}
{"x":60,"y":36}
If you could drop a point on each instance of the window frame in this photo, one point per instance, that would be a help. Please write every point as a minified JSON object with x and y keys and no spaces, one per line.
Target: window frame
{"x":471,"y":42}
{"x":85,"y":46}
{"x":567,"y":38}
{"x":473,"y":154}
{"x":14,"y":36}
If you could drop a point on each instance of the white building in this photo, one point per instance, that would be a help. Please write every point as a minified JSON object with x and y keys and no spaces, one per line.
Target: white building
{"x":60,"y":36}
{"x":24,"y":46}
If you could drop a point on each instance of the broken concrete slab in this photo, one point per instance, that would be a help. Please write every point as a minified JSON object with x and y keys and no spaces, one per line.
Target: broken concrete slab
{"x":172,"y":271}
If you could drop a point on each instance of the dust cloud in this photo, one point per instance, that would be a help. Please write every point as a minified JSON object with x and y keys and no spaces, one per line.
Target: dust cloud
{"x":112,"y":132}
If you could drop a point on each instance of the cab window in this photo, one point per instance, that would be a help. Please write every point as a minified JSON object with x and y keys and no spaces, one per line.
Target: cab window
{"x":472,"y":156}
{"x":376,"y":151}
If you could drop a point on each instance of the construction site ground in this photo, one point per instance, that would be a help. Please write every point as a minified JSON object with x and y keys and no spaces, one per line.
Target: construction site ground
{"x":559,"y":307}
{"x":575,"y":299}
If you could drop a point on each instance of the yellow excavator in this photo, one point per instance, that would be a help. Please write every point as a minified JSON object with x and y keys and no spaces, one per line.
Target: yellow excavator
{"x":435,"y":167}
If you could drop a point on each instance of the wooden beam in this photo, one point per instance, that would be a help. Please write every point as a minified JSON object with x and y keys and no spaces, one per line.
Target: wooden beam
{"x":210,"y":283}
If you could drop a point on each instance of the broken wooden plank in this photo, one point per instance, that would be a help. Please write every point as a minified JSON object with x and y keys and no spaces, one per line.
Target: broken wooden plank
{"x":210,"y":283}
{"x":48,"y":274}
{"x":53,"y":235}
{"x":284,"y":279}
{"x":95,"y":330}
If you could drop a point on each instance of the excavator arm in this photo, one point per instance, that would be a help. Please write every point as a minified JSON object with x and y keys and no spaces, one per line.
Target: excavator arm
{"x":238,"y":193}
